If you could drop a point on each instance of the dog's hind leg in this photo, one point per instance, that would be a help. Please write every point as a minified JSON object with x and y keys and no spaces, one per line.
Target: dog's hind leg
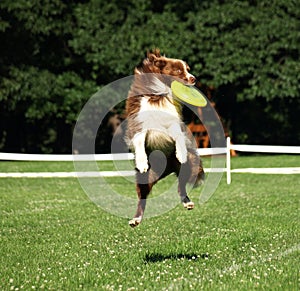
{"x":143,"y":188}
{"x":183,"y":178}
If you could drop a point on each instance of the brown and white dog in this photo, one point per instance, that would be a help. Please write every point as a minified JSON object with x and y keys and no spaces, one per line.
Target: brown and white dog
{"x":155,"y":124}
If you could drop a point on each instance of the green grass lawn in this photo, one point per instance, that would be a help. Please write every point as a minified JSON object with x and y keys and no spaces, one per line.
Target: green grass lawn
{"x":245,"y":237}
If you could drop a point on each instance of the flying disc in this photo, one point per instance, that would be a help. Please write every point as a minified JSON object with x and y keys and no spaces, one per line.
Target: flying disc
{"x":188,"y":94}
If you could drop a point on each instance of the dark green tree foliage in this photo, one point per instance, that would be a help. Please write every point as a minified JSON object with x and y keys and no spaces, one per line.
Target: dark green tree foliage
{"x":41,"y":89}
{"x":55,"y":54}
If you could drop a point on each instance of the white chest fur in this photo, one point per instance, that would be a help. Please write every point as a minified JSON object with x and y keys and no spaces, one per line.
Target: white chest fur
{"x":157,"y":117}
{"x":163,"y":118}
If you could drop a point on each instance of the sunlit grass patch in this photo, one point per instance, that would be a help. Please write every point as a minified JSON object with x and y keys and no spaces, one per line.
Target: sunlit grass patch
{"x":245,"y":237}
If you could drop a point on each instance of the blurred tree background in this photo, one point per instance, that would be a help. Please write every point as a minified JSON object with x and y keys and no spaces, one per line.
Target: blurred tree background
{"x":54,"y":54}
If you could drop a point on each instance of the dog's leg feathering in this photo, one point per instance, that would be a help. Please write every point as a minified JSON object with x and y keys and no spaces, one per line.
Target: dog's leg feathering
{"x":181,"y":152}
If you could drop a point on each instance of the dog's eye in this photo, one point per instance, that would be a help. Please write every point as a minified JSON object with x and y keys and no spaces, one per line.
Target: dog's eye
{"x":178,"y":71}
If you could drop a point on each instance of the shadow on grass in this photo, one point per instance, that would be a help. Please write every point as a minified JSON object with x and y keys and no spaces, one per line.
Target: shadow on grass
{"x":156,"y":257}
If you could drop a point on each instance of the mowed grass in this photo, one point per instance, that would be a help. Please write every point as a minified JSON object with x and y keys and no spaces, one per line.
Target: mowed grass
{"x":245,"y":237}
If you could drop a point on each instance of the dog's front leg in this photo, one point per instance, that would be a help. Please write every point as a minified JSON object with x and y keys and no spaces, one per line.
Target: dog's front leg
{"x":141,"y":160}
{"x":181,"y":150}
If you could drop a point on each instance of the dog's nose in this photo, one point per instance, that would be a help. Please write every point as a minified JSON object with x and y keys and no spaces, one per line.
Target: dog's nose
{"x":192,"y":80}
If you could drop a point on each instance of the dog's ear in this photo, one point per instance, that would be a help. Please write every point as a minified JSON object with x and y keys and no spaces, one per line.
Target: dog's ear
{"x":160,"y":63}
{"x":154,"y":52}
{"x":151,"y":57}
{"x":156,"y":60}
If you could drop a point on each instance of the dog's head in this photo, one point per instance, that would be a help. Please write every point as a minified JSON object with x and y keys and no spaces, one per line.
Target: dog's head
{"x":157,"y":64}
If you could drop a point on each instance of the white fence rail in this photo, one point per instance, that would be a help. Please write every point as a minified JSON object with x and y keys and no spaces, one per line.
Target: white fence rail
{"x":266,"y":149}
{"x":256,"y":149}
{"x":95,"y":157}
{"x":129,"y":156}
{"x":64,"y":158}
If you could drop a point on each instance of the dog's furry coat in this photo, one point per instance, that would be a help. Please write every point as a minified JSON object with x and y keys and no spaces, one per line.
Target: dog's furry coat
{"x":155,"y":123}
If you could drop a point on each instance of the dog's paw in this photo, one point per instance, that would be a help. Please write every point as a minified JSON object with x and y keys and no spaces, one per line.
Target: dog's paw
{"x":135,"y":221}
{"x":188,"y":205}
{"x":141,"y":163}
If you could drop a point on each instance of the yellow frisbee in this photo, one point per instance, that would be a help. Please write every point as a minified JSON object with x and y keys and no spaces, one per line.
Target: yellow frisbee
{"x":188,"y":94}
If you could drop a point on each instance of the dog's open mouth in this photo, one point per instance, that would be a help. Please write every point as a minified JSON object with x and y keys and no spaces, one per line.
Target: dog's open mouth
{"x":186,"y":82}
{"x":158,"y":87}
